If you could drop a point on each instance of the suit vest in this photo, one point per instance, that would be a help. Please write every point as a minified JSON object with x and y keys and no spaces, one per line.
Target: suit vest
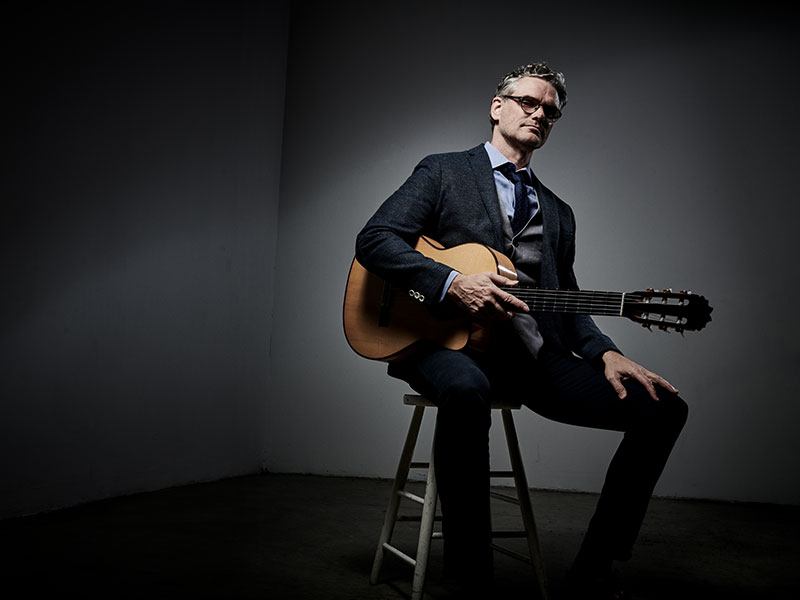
{"x":525,"y":252}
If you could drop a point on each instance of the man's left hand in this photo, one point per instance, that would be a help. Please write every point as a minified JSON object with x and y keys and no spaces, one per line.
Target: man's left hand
{"x":619,"y":368}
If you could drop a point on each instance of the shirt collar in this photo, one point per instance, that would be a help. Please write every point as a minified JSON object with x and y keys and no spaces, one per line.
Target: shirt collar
{"x":497,"y":159}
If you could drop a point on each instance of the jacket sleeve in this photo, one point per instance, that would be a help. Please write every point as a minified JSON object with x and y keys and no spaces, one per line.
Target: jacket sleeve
{"x":385,"y":244}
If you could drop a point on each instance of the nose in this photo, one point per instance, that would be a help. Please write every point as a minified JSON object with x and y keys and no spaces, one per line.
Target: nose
{"x":539,"y":113}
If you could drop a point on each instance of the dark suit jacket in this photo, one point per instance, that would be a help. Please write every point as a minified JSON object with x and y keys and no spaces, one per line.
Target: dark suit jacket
{"x":452,"y":198}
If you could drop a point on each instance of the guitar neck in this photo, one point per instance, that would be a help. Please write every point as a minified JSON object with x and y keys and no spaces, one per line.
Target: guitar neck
{"x":571,"y":301}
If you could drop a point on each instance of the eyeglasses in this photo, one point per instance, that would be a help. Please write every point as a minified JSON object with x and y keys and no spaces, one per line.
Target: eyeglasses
{"x":531,"y":105}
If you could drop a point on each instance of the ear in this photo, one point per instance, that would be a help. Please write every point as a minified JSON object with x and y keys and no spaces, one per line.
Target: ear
{"x":495,"y":108}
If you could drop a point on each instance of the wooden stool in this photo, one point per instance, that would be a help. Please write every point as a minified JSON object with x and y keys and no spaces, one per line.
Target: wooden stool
{"x":428,"y":502}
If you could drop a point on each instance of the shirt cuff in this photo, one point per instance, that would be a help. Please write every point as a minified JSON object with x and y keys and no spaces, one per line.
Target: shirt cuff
{"x":446,"y":285}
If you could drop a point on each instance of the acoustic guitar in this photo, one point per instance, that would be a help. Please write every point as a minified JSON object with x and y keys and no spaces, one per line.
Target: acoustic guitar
{"x":384,"y":322}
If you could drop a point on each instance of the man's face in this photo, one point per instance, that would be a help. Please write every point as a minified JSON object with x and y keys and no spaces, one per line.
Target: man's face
{"x":514,"y":125}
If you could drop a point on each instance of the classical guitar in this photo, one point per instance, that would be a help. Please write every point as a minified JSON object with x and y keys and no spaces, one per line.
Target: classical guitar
{"x":383,"y":322}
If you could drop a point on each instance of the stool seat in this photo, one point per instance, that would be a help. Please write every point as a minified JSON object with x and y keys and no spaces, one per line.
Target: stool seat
{"x":417,"y":400}
{"x":429,"y":501}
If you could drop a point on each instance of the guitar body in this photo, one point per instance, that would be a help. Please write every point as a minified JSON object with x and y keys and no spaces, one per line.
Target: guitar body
{"x":382,"y":322}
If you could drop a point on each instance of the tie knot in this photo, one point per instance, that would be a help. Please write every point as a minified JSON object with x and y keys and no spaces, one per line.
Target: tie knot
{"x":511,"y":173}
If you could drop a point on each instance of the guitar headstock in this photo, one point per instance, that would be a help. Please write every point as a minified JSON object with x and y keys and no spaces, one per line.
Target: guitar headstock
{"x":667,"y":310}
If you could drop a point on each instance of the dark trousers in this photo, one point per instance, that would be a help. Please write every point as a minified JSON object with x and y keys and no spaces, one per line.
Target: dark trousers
{"x":558,"y":386}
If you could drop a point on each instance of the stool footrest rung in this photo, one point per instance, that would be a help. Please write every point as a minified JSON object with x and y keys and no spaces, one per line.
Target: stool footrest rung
{"x":512,"y":553}
{"x":504,"y":497}
{"x":410,"y":496}
{"x":400,"y":554}
{"x":419,"y":465}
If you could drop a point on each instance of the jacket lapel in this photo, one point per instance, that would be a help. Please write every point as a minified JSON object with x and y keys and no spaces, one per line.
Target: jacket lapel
{"x":548,"y":276}
{"x":484,"y":179}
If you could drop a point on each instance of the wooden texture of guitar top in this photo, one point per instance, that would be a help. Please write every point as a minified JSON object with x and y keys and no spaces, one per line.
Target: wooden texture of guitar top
{"x":383,"y":322}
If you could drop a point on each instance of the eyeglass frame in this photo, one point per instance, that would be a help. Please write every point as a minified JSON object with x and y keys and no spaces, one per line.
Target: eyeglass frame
{"x":538,"y":104}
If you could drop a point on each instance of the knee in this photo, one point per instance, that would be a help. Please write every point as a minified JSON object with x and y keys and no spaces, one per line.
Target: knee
{"x":470,"y":390}
{"x":670,"y":413}
{"x":675,"y":407}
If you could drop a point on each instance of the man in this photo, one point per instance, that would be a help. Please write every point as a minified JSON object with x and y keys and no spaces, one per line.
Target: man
{"x":560,"y":366}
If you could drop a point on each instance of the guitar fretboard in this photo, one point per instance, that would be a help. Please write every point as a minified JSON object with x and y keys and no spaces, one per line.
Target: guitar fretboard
{"x":571,"y":301}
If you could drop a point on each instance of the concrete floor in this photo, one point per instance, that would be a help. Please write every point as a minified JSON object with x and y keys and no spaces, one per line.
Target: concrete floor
{"x":310,"y":537}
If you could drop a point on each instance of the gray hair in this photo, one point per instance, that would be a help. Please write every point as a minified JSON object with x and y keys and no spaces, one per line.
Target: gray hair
{"x":540,"y":70}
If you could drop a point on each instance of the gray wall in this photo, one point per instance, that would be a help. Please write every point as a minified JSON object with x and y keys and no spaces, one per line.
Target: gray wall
{"x":138,"y":242}
{"x":143,"y":241}
{"x":676,"y":152}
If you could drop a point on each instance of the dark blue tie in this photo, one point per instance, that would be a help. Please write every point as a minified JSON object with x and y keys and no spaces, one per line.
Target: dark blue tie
{"x":522,"y":206}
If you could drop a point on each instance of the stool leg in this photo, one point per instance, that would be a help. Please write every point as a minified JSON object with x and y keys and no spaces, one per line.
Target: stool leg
{"x":399,"y":483}
{"x":425,"y":530}
{"x":523,"y":493}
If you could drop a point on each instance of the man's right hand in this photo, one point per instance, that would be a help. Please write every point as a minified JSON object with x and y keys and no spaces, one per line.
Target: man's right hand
{"x":479,"y":296}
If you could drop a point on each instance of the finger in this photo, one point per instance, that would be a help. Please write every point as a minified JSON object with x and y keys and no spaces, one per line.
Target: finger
{"x":506,"y":297}
{"x":663,"y":383}
{"x":647,"y":382}
{"x":502,"y":280}
{"x":511,"y":301}
{"x":618,"y":387}
{"x":516,"y":303}
{"x":495,"y":309}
